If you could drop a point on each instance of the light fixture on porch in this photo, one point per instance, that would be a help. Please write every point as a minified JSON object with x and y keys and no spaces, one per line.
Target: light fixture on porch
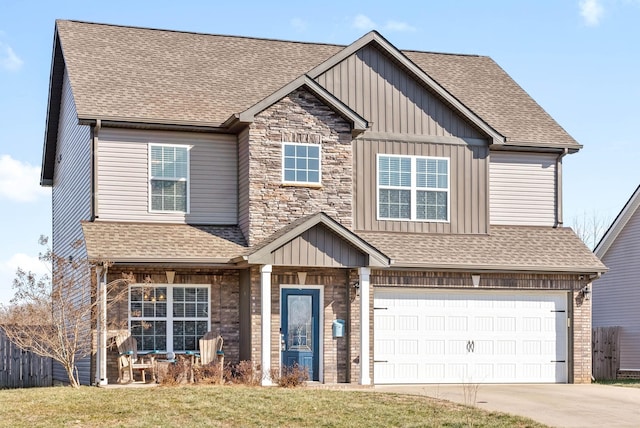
{"x":170,"y":276}
{"x":356,"y":286}
{"x":475,"y":278}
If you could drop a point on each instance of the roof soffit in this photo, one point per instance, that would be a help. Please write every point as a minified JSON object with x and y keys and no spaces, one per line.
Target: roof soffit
{"x":373,"y":37}
{"x":56,"y":77}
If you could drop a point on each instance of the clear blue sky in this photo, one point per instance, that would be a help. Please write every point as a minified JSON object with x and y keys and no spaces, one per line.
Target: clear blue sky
{"x":578,"y":59}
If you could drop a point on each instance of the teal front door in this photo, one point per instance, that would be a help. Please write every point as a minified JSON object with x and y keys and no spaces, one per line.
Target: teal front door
{"x":300,"y":322}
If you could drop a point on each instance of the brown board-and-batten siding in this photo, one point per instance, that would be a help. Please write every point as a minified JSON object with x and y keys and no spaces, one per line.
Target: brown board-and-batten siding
{"x":123,"y":176}
{"x":71,"y":199}
{"x":468,"y":161}
{"x":318,"y":246}
{"x":390,"y":99}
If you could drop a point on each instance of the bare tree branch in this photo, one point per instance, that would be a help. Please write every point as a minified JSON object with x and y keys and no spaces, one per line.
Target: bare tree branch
{"x":52,"y":316}
{"x":590,"y":227}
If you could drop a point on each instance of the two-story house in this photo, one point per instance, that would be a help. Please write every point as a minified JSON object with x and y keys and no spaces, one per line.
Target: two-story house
{"x":376,"y":215}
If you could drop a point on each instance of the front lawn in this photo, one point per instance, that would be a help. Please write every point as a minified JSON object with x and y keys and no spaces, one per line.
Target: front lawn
{"x":196,"y":406}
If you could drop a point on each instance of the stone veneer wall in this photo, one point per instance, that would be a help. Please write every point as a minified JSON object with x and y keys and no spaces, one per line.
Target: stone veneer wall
{"x":300,"y":118}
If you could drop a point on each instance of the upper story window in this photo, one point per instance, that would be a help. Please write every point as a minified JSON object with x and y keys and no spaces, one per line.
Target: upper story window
{"x":301,"y":163}
{"x":413,"y":188}
{"x":168,"y":317}
{"x":168,"y":178}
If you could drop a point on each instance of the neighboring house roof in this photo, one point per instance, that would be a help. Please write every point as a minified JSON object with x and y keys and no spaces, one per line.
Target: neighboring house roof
{"x":162,"y":243}
{"x":618,"y":224}
{"x":161,"y":77}
{"x":521,"y":248}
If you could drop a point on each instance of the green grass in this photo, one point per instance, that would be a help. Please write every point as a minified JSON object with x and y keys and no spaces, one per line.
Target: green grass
{"x":631,"y":383}
{"x":229,"y":406}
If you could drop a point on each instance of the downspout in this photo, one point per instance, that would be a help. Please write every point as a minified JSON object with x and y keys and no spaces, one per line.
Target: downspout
{"x":94,"y":170}
{"x":101,"y":372}
{"x":559,"y":220}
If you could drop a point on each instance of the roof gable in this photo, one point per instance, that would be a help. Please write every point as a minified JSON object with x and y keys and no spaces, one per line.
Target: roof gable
{"x":264,"y":253}
{"x":610,"y":236}
{"x":376,"y":39}
{"x":358,"y":124}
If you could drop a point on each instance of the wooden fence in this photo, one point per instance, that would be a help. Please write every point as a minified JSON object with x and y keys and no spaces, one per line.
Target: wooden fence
{"x":20,"y":368}
{"x":606,"y":352}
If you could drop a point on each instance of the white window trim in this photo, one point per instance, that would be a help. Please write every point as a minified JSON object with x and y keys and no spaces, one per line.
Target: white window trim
{"x":188,"y":179}
{"x":169,"y":318}
{"x":413,"y":188}
{"x":303,"y":183}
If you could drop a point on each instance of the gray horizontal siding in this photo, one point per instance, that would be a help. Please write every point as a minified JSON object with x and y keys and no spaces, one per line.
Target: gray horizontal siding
{"x":382,"y":92}
{"x":123,"y":180}
{"x":468,"y":185}
{"x":523,"y":189}
{"x":318,"y":246}
{"x":616,"y":296}
{"x":71,"y":197}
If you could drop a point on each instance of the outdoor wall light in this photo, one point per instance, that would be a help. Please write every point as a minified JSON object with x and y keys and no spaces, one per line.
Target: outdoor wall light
{"x":356,"y":286}
{"x":585,"y":292}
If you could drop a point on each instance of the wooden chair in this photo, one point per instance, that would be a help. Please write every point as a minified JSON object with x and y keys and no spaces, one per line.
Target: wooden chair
{"x":128,"y":358}
{"x":210,"y":347}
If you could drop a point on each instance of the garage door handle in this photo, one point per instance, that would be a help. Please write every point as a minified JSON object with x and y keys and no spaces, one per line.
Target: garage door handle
{"x":382,"y":309}
{"x":558,"y":361}
{"x":470,"y":345}
{"x":380,"y":361}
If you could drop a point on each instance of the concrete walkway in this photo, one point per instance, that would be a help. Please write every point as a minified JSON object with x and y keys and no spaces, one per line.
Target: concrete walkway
{"x":554,"y":405}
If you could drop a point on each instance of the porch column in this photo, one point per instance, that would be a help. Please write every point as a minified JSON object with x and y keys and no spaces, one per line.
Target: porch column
{"x":365,"y":358}
{"x":101,"y":355}
{"x":265,"y":308}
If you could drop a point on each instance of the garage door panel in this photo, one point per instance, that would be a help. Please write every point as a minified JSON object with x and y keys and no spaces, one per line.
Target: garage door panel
{"x":495,"y":337}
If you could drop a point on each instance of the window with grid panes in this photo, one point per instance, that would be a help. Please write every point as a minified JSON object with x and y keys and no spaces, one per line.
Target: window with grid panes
{"x":413,"y":188}
{"x":168,"y":177}
{"x":169,"y":317}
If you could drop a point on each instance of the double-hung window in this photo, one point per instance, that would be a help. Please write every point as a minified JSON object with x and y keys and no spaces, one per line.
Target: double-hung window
{"x":413,"y":188}
{"x":301,"y":163}
{"x":168,"y":317}
{"x":169,"y":178}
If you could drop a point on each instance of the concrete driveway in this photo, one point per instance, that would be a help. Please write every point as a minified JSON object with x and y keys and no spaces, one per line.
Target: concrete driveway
{"x":554,"y":405}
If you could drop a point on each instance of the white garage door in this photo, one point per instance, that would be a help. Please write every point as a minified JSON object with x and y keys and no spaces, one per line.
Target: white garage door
{"x":427,"y":336}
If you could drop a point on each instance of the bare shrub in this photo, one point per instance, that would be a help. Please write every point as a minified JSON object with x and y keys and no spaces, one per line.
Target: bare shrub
{"x":209,"y":374}
{"x":178,"y":373}
{"x":243,"y":373}
{"x":290,"y":377}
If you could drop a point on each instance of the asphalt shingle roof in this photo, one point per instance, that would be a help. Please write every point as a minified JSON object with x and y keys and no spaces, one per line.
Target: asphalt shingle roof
{"x":128,"y":73}
{"x":162,"y":242}
{"x":528,"y":248}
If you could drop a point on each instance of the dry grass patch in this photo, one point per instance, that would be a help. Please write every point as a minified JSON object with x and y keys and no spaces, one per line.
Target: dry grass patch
{"x":237,"y":406}
{"x":630,"y":383}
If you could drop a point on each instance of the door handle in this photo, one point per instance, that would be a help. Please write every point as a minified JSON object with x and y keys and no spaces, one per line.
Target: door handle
{"x":473,"y":346}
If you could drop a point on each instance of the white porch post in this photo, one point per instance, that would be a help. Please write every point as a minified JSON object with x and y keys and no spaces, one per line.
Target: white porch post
{"x":365,"y":358}
{"x":265,"y":307}
{"x":101,"y":355}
